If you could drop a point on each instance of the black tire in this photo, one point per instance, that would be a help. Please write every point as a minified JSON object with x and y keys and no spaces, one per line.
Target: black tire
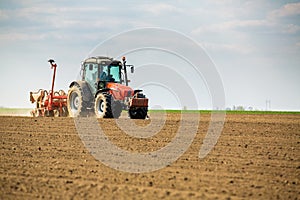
{"x":106,"y":107}
{"x":138,"y":113}
{"x":116,"y":108}
{"x":76,"y":105}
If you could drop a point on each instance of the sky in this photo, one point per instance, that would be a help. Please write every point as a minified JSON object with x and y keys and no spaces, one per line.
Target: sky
{"x":254,"y":45}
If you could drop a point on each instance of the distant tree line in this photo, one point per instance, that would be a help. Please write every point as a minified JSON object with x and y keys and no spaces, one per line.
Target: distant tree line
{"x":242,"y":108}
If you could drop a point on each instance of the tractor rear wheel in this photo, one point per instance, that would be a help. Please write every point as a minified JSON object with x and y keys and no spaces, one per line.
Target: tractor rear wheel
{"x":107,"y":107}
{"x":75,"y":102}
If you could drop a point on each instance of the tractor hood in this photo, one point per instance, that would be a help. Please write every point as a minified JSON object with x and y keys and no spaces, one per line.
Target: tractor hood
{"x":120,"y":91}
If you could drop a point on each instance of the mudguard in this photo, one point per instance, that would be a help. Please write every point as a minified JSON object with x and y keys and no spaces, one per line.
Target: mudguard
{"x":86,"y":92}
{"x":102,"y":91}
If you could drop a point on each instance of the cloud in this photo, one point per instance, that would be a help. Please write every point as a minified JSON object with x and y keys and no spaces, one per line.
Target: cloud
{"x":44,"y":21}
{"x":285,"y":18}
{"x":242,"y":35}
{"x":236,"y":35}
{"x":271,"y":23}
{"x":291,"y":29}
{"x":234,"y":48}
{"x":160,"y":8}
{"x":44,"y":11}
{"x":232,"y":25}
{"x":3,"y":15}
{"x":20,"y":36}
{"x":287,"y":10}
{"x":39,"y":21}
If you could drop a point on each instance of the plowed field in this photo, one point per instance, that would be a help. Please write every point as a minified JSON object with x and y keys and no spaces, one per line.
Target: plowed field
{"x":256,"y":157}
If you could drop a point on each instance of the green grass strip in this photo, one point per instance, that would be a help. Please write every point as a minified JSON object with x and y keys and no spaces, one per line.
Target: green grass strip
{"x":227,"y":112}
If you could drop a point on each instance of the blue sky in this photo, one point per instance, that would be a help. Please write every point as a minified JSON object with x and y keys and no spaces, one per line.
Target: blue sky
{"x":255,"y":45}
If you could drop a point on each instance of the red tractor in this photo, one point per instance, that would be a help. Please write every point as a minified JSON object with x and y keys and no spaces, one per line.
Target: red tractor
{"x":103,"y":90}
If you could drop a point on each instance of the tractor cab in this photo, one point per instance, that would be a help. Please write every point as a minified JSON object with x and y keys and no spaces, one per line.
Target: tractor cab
{"x":97,"y":71}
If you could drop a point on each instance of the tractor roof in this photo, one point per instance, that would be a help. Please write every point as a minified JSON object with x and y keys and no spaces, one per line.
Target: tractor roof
{"x":98,"y":59}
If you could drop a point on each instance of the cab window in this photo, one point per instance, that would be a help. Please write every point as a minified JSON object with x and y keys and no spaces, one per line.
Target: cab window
{"x":91,"y":71}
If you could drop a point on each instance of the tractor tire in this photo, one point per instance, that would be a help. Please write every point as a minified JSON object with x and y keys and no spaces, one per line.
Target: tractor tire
{"x":116,"y":108}
{"x":138,"y":113}
{"x":106,"y":107}
{"x":76,"y":105}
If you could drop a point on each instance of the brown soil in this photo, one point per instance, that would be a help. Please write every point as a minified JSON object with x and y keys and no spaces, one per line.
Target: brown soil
{"x":256,"y":157}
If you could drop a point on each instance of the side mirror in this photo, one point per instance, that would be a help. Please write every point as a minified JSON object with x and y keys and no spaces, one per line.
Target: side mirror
{"x":132,"y":69}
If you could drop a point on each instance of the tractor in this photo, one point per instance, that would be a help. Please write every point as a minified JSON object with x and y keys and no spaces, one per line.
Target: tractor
{"x":103,"y":91}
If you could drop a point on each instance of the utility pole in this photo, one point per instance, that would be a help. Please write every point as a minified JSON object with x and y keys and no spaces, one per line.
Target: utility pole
{"x":268,"y":105}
